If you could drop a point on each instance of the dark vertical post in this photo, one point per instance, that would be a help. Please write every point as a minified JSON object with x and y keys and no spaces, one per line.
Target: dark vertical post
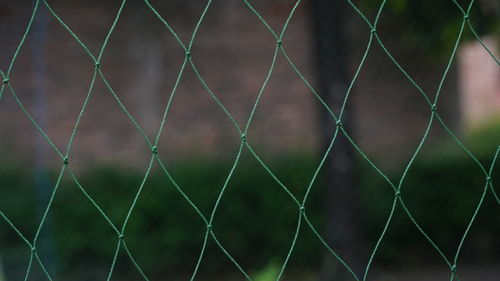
{"x":343,"y":225}
{"x":43,"y":183}
{"x":2,"y":274}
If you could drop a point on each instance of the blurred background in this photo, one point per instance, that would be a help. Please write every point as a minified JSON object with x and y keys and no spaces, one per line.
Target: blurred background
{"x":349,"y":204}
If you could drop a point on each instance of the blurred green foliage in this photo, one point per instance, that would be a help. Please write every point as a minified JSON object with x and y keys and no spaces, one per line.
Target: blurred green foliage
{"x":432,"y":25}
{"x":442,"y":190}
{"x":256,"y":219}
{"x":269,"y":273}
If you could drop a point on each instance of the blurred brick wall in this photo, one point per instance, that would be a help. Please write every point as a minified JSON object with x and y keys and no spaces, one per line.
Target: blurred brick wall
{"x":233,"y":52}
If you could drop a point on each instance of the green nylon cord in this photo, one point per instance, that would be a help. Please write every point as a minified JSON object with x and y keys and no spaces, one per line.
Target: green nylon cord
{"x":242,"y":131}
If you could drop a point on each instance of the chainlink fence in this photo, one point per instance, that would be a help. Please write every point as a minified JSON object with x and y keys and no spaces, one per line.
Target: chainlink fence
{"x":303,"y":221}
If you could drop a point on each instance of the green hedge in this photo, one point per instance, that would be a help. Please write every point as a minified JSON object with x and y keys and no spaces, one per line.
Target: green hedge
{"x":256,"y":219}
{"x":442,"y":190}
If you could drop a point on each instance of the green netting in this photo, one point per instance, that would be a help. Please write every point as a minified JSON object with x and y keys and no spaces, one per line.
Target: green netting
{"x":302,"y":218}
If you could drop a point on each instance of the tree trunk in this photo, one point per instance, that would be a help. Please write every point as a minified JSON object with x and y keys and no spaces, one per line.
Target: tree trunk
{"x":343,"y":227}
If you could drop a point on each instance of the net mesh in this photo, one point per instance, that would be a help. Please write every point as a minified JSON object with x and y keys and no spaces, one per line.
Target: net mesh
{"x":302,"y":218}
